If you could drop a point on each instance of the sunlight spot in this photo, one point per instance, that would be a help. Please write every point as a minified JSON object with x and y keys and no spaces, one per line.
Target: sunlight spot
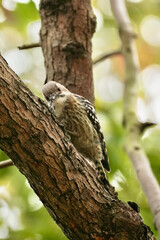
{"x":2,"y":16}
{"x":4,"y":193}
{"x":19,"y":61}
{"x":150,"y":30}
{"x":148,"y":107}
{"x":14,"y":219}
{"x":37,"y":2}
{"x":21,"y":1}
{"x":4,"y":231}
{"x":34,"y":202}
{"x":105,"y":7}
{"x":99,"y":18}
{"x":135,"y":1}
{"x":33,"y":30}
{"x":9,"y":5}
{"x":118,"y":178}
{"x":110,"y":88}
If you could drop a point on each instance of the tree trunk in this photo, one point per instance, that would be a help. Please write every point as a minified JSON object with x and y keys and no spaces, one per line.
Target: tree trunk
{"x":67,"y":28}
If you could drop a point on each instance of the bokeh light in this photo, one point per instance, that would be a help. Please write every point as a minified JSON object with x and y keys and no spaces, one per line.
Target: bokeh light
{"x":149,"y":105}
{"x":150,"y":30}
{"x":19,"y":61}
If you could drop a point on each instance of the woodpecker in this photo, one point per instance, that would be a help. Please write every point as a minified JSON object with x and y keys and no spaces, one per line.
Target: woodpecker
{"x":80,"y":123}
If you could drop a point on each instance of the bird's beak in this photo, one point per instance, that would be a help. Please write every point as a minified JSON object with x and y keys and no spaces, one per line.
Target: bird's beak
{"x":50,"y":103}
{"x":53,"y":97}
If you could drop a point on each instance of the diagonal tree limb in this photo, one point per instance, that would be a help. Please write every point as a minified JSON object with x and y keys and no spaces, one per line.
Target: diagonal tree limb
{"x":133,"y":128}
{"x":66,"y":184}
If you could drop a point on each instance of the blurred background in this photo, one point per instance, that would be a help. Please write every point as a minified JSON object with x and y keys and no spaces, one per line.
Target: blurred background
{"x":22,"y":216}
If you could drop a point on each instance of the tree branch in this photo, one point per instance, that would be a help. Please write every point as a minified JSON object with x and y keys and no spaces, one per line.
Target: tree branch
{"x":64,"y":181}
{"x":133,"y":128}
{"x":6,"y":163}
{"x":144,"y":126}
{"x":27,"y":46}
{"x":106,"y":55}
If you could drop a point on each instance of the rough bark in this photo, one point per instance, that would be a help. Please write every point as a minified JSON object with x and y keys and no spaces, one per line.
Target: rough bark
{"x":67,"y":28}
{"x":66,"y":184}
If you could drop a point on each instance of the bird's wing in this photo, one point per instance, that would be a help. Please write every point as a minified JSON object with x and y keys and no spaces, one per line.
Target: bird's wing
{"x":91,"y":113}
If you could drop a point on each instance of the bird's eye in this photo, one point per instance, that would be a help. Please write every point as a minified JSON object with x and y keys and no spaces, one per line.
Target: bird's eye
{"x":58,"y":89}
{"x":47,"y":98}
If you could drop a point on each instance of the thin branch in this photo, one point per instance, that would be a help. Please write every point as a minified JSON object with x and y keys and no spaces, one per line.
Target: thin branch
{"x":106,"y":55}
{"x":133,"y":145}
{"x":27,"y":46}
{"x":6,"y":163}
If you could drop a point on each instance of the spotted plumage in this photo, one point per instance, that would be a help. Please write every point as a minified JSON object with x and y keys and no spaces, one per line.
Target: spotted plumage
{"x":80,"y":123}
{"x":91,"y":113}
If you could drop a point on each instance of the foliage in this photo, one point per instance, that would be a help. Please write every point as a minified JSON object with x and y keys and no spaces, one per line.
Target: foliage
{"x":21,"y":213}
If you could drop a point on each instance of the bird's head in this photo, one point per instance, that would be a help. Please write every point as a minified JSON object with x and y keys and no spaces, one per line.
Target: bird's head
{"x":55,"y":92}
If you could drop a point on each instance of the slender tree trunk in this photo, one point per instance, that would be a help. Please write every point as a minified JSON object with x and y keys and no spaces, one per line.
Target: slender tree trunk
{"x":133,"y":127}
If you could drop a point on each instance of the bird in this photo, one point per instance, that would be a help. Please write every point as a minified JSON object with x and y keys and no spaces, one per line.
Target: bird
{"x":81,"y":125}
